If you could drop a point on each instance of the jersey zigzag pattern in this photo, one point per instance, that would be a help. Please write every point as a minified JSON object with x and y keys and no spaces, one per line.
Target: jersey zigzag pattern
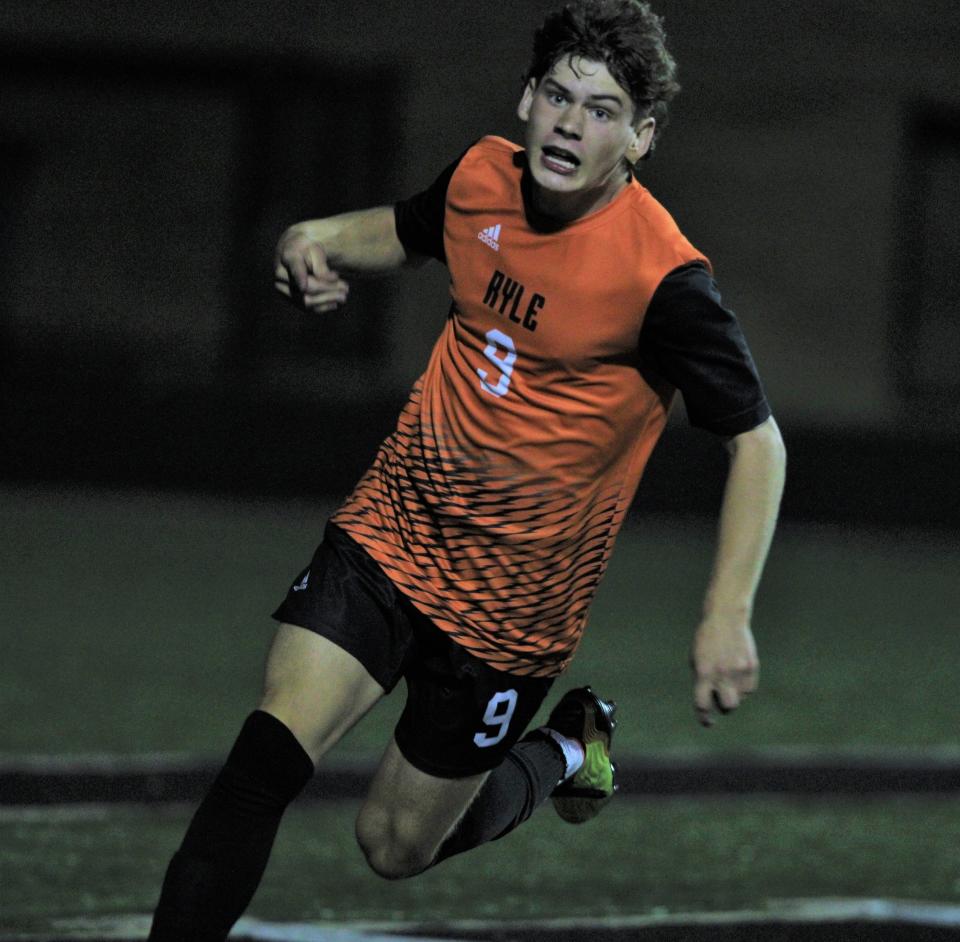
{"x":509,"y":574}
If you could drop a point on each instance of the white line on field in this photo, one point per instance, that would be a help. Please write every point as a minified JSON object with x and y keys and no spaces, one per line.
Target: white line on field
{"x":808,"y":911}
{"x":791,"y":910}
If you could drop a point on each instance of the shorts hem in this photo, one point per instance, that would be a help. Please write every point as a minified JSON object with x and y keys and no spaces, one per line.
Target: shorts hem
{"x":442,"y":771}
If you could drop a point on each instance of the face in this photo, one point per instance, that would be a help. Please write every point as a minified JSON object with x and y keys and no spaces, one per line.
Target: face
{"x":580,"y":126}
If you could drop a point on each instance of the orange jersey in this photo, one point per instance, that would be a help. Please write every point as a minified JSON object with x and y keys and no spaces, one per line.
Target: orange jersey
{"x":494,"y":505}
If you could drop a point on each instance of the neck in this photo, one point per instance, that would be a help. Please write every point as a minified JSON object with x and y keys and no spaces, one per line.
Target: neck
{"x":547,"y":209}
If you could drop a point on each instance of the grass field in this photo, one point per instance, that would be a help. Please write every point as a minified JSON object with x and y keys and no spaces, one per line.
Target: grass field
{"x":638,"y":857}
{"x":134,"y":623}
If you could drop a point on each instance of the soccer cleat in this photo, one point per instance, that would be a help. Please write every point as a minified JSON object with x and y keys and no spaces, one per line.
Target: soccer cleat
{"x":582,"y":715}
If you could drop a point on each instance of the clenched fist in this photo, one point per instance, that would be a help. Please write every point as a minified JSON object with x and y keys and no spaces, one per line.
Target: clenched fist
{"x":302,"y":274}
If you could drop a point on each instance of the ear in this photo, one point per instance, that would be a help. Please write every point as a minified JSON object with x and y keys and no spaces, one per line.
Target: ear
{"x":526,"y":100}
{"x":642,"y":139}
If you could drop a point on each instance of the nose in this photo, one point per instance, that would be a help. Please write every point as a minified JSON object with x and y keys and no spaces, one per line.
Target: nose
{"x":570,"y":123}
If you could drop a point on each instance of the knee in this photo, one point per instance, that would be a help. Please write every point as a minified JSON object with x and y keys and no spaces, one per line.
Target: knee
{"x":390,"y":844}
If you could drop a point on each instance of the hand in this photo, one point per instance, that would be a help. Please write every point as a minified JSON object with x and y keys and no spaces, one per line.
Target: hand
{"x":725,"y":666}
{"x":301,"y":273}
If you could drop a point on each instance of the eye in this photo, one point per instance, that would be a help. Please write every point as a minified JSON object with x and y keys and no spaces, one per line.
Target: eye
{"x":557,"y":98}
{"x":601,"y":114}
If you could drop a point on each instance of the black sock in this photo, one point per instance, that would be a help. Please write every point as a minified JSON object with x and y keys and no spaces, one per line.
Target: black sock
{"x":531,"y":770}
{"x":214,"y":874}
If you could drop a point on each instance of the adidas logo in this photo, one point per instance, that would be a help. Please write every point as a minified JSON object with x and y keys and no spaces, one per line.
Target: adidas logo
{"x":491,"y":237}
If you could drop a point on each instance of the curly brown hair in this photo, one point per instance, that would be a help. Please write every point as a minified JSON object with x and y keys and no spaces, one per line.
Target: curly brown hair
{"x":627,"y":36}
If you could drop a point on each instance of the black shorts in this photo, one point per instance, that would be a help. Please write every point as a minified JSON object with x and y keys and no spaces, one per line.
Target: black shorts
{"x":462,"y":715}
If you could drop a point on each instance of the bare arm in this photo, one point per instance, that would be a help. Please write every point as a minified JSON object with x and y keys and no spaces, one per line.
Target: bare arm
{"x":724,"y":655}
{"x":314,"y":257}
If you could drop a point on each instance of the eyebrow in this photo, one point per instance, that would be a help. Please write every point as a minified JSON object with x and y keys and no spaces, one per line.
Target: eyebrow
{"x":566,"y":91}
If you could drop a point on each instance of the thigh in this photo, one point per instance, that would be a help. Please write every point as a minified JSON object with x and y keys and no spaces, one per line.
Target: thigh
{"x":316,"y":688}
{"x":408,"y":813}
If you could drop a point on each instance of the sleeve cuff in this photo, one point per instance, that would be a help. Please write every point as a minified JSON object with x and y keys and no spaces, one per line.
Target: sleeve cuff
{"x":736,"y":424}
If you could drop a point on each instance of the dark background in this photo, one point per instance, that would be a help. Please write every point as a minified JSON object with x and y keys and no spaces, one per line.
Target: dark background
{"x":150,"y":155}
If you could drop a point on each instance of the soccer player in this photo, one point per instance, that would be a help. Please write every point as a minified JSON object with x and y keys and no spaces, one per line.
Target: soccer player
{"x":466,"y":558}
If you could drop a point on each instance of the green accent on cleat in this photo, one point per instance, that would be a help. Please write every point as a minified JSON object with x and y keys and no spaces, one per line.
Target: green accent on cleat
{"x":582,"y":715}
{"x":596,"y":774}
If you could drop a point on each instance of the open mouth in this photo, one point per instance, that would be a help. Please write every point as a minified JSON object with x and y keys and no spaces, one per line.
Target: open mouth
{"x":560,"y":160}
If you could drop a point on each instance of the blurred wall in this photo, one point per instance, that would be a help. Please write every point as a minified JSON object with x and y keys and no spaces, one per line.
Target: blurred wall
{"x":789,"y":161}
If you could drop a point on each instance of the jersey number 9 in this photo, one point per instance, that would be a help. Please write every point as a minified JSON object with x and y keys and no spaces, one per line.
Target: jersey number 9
{"x":497,"y":718}
{"x":502,"y":353}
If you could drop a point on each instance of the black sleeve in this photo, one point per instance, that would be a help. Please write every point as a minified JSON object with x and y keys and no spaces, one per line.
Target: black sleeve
{"x":419,"y":219}
{"x":689,"y":338}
